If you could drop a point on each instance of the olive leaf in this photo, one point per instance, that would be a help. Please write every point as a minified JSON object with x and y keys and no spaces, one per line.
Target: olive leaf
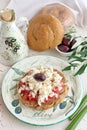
{"x":17,"y":79}
{"x":70,"y":110}
{"x":71,"y":30}
{"x":54,"y":108}
{"x":85,"y":42}
{"x":72,"y":102}
{"x":83,"y":53}
{"x":72,"y":55}
{"x":78,"y":58}
{"x":72,"y":91}
{"x":67,"y":68}
{"x":81,"y":70}
{"x":13,"y":87}
{"x":68,"y":97}
{"x":18,"y":71}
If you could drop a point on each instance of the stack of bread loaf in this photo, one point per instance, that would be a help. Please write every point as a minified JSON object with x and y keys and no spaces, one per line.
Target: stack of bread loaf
{"x":46,"y":29}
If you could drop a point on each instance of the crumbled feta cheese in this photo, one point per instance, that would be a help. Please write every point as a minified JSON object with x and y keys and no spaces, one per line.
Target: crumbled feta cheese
{"x":20,"y":89}
{"x":45,"y":88}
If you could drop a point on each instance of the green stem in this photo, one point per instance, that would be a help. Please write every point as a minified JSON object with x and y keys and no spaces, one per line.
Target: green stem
{"x":84,"y":100}
{"x":76,"y":121}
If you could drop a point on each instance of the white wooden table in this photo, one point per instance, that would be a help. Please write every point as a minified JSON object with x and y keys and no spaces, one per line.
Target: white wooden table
{"x":9,"y":122}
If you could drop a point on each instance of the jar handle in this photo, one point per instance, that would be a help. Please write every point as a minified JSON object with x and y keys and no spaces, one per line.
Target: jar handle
{"x":22,"y":24}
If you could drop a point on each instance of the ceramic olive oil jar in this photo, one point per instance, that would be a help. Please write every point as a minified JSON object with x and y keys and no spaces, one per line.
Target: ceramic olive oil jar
{"x":13,"y":46}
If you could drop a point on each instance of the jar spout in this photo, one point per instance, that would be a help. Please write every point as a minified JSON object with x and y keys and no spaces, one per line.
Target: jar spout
{"x":7,"y":15}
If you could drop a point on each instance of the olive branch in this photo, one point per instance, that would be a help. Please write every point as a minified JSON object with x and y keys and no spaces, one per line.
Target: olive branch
{"x":78,"y":59}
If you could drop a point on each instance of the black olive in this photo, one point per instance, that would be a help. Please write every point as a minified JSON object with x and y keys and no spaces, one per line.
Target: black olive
{"x":39,"y":77}
{"x":63,"y":48}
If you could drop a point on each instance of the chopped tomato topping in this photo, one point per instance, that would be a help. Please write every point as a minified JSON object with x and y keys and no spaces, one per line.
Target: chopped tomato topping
{"x":56,"y":90}
{"x":21,"y":83}
{"x":28,"y":96}
{"x":25,"y":92}
{"x":50,"y":99}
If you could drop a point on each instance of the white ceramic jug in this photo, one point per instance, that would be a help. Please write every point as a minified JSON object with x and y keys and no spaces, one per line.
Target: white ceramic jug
{"x":13,"y":46}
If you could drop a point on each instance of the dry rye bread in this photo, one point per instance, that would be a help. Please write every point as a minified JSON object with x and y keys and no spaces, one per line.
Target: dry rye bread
{"x":45,"y":106}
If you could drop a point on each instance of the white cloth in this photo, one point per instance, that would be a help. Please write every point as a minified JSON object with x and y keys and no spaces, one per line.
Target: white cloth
{"x":29,"y":8}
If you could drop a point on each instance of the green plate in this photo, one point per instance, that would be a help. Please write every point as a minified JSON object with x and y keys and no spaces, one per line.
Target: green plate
{"x":41,"y":118}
